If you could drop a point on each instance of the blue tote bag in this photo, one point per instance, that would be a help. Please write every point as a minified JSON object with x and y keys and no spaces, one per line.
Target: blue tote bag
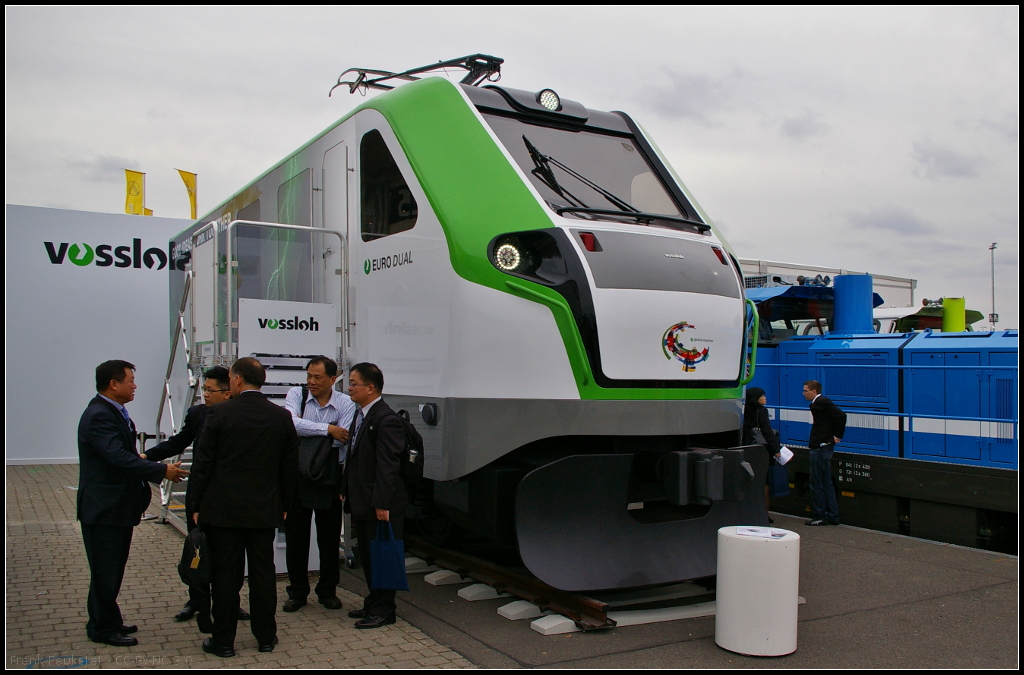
{"x":778,"y":481}
{"x":387,"y":560}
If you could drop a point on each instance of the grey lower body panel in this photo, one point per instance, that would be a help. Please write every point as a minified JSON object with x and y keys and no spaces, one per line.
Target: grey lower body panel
{"x":473,"y":432}
{"x":575,"y":531}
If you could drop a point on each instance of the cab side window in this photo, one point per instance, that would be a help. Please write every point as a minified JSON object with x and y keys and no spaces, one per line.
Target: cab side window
{"x":388,"y":206}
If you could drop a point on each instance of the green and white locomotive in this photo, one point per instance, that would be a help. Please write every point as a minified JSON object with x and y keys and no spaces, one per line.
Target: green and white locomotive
{"x":537,"y":284}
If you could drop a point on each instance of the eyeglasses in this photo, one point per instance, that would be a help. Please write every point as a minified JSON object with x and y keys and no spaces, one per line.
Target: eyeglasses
{"x":213,"y":391}
{"x":357,"y":384}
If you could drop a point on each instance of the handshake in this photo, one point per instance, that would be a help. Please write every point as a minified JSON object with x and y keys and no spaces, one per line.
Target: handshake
{"x":174,"y":472}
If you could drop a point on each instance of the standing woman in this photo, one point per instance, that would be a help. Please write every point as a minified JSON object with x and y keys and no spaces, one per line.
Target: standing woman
{"x":755,"y":417}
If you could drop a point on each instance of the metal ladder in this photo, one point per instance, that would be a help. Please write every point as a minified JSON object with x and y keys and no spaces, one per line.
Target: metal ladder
{"x":172,"y":495}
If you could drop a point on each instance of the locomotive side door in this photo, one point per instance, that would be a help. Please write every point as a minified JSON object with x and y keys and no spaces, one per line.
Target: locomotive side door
{"x":337,"y":177}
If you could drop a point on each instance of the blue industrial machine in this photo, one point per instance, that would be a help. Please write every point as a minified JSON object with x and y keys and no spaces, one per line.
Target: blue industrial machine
{"x":931,"y":444}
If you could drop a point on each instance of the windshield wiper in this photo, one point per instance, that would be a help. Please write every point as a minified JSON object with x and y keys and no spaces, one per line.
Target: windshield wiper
{"x":643,"y":217}
{"x":544,"y":173}
{"x":547,"y":176}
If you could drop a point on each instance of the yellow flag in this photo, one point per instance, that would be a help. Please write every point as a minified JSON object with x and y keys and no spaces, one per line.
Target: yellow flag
{"x":135,"y":192}
{"x":190,"y":185}
{"x":147,"y":212}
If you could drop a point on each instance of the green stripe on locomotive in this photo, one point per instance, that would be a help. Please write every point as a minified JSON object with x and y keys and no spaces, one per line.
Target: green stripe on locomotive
{"x":477,"y":195}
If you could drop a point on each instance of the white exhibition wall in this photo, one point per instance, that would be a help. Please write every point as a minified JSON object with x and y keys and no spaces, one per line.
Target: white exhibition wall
{"x":81,"y":288}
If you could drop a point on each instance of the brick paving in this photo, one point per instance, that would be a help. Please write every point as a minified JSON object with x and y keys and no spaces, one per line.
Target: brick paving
{"x":48,"y":580}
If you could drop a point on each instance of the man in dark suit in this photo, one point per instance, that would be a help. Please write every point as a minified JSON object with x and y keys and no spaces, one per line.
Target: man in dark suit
{"x":243,"y":474}
{"x":826,"y":431}
{"x":372,"y":487}
{"x":216,"y":389}
{"x":112,"y":495}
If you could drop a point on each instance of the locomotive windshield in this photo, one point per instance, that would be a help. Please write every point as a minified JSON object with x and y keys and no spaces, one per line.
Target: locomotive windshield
{"x":578,"y":169}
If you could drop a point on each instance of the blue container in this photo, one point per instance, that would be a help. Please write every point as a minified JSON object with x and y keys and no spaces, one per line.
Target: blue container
{"x":957,"y":380}
{"x":854,"y":300}
{"x":855,"y":373}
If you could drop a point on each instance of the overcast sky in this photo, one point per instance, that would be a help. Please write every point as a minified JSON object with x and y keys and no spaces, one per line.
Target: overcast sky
{"x":879,"y":140}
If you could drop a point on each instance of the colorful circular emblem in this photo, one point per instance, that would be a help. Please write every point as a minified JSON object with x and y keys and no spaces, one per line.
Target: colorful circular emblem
{"x":672,"y":345}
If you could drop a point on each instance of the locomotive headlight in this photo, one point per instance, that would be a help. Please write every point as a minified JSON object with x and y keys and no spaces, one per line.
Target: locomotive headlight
{"x":549,"y":99}
{"x":507,"y":257}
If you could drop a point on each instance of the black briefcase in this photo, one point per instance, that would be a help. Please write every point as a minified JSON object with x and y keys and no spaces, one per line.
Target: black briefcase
{"x":194,"y":568}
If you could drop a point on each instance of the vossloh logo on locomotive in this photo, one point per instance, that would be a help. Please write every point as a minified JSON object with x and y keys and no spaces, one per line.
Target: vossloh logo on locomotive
{"x":290,"y":324}
{"x":387,"y":262}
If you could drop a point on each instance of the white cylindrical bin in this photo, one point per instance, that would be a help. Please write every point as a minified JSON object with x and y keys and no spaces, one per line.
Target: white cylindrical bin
{"x":757,"y":590}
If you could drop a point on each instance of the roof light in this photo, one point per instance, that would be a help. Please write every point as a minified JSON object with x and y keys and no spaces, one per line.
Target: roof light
{"x":549,"y":99}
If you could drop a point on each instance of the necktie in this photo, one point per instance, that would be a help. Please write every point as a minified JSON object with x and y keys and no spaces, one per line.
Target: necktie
{"x":358,"y":423}
{"x":355,"y":429}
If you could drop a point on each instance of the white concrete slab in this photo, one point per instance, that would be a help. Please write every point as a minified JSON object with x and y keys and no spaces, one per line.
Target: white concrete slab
{"x":414,"y":565}
{"x":444,"y":578}
{"x":480,"y":592}
{"x":556,"y":624}
{"x":522,"y":609}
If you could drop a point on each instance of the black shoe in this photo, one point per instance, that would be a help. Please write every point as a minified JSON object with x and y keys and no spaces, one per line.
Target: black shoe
{"x":186,"y":613}
{"x":128,"y":630}
{"x":330,"y":603}
{"x":243,"y":615}
{"x":294,"y":604}
{"x":211,"y":647}
{"x":117,"y":640}
{"x":375,"y":621}
{"x":833,"y":522}
{"x":269,"y":647}
{"x":817,"y":522}
{"x":357,"y":614}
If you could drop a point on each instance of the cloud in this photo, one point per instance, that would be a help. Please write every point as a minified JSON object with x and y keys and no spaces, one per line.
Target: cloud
{"x":891,"y":219}
{"x":696,"y":97}
{"x":941,"y":161}
{"x":802,"y":126}
{"x":104,"y":169}
{"x":1008,"y":128}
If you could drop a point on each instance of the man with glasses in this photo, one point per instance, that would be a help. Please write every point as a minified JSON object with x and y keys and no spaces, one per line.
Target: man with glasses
{"x":318,"y":410}
{"x":216,"y":389}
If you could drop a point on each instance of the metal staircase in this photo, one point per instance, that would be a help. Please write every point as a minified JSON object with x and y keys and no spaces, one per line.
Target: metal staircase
{"x":206,"y":334}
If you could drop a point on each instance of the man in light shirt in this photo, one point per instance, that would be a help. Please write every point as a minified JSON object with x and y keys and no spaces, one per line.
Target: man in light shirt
{"x":325,"y":412}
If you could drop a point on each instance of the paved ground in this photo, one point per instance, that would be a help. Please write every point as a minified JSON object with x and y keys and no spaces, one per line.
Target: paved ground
{"x":873,"y":601}
{"x":48,"y":579}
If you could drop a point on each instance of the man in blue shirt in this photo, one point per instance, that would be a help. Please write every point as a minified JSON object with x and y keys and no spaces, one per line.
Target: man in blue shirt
{"x":317,"y":410}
